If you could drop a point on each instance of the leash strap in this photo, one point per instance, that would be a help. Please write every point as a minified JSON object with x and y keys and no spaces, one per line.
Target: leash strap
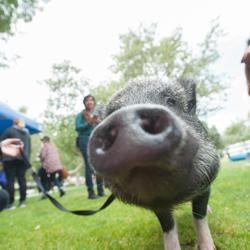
{"x":57,"y":203}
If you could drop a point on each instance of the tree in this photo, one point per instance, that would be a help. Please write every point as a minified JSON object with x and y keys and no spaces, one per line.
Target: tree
{"x":11,"y":12}
{"x":141,"y":54}
{"x":67,"y":86}
{"x":23,"y":109}
{"x":237,"y":132}
{"x":215,"y":137}
{"x":104,"y":91}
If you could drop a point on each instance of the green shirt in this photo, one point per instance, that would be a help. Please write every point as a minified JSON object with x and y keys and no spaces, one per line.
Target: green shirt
{"x":82,"y":127}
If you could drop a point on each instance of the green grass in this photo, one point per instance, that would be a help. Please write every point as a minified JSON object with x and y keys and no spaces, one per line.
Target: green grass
{"x":41,"y":226}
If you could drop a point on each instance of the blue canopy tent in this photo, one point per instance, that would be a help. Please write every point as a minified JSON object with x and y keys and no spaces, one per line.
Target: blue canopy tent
{"x":8,"y":115}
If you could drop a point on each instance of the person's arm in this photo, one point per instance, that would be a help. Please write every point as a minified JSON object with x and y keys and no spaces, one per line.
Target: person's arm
{"x":247,"y":72}
{"x":29,"y":146}
{"x":11,"y":147}
{"x":246,"y":60}
{"x":6,"y":134}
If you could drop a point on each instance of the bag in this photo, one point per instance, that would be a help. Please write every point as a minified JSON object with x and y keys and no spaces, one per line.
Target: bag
{"x":78,"y":142}
{"x":65,"y":172}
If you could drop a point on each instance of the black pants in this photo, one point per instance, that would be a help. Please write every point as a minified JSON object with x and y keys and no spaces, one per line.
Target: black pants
{"x":48,"y":180}
{"x":4,"y":199}
{"x":15,"y":169}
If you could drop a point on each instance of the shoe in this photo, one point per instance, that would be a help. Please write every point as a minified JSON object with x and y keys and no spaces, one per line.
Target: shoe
{"x":43,"y":197}
{"x":101,"y":193}
{"x":22,"y":204}
{"x":62,"y":192}
{"x":11,"y":206}
{"x":92,"y":195}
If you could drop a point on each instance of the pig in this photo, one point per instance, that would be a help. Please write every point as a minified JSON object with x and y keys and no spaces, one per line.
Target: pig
{"x":154,"y":152}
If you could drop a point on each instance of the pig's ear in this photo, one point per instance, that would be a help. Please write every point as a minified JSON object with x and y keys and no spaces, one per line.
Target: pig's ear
{"x":190,"y":89}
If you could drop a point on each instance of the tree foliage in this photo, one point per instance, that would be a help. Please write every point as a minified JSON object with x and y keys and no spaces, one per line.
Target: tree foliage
{"x":104,"y":91}
{"x":238,"y":131}
{"x":11,"y":12}
{"x":215,"y":136}
{"x":143,"y":55}
{"x":67,"y":86}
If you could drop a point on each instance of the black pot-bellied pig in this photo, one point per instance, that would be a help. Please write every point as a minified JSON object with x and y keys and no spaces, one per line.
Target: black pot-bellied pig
{"x":153,"y":152}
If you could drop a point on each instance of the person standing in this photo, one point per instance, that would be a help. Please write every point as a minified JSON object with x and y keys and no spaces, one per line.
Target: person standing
{"x":52,"y":166}
{"x":14,"y":166}
{"x":85,"y":122}
{"x":246,"y":59}
{"x":9,"y":147}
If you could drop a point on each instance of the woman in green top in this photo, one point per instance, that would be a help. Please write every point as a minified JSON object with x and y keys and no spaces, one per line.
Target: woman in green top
{"x":85,"y":122}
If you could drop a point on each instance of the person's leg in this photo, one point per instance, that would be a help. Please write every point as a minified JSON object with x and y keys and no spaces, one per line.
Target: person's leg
{"x":100,"y":186}
{"x":4,"y":199}
{"x":21,"y":178}
{"x":45,"y":181}
{"x":58,"y":182}
{"x":9,"y":169}
{"x":51,"y":179}
{"x":43,"y":178}
{"x":83,"y":143}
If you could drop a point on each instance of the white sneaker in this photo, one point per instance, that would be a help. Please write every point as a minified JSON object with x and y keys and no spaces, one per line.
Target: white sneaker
{"x":11,"y":207}
{"x":22,"y":205}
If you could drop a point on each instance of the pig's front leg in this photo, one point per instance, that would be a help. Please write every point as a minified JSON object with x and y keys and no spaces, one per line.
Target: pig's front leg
{"x":204,"y":237}
{"x":170,"y":236}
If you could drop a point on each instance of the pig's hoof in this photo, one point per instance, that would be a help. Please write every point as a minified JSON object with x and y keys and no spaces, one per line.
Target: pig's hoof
{"x":206,"y":247}
{"x":209,"y":209}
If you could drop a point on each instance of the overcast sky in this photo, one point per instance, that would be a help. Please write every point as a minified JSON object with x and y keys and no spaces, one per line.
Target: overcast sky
{"x":87,"y":33}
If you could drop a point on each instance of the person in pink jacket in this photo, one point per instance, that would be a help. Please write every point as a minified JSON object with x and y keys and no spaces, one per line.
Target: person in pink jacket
{"x":51,"y":171}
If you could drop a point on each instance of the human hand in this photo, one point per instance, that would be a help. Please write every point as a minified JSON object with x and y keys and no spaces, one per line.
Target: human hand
{"x":11,"y":147}
{"x":88,"y":117}
{"x":96,"y":120}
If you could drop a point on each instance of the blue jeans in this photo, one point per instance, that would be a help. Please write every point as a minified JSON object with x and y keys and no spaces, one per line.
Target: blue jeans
{"x":83,"y":145}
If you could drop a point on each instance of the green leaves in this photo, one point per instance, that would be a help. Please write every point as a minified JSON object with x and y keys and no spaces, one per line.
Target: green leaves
{"x":142,"y":54}
{"x":236,"y":132}
{"x":11,"y":11}
{"x":67,"y":87}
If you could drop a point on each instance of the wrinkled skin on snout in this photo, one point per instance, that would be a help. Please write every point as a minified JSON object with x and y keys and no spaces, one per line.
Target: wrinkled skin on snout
{"x":152,"y":150}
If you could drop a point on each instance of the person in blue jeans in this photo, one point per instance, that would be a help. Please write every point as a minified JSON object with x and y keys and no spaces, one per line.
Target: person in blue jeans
{"x":85,"y":122}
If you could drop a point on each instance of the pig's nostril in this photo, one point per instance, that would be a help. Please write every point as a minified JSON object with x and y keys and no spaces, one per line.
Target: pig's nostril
{"x":153,"y":121}
{"x":107,"y":138}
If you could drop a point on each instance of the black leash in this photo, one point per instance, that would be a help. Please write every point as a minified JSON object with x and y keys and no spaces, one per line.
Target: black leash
{"x":57,"y":203}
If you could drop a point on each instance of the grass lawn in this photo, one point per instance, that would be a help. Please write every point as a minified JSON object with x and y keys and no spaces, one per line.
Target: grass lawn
{"x":41,"y":226}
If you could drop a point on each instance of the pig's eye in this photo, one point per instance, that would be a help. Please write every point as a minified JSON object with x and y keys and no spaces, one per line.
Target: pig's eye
{"x":170,"y":101}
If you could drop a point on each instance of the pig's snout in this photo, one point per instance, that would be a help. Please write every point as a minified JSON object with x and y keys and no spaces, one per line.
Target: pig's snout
{"x":134,"y":136}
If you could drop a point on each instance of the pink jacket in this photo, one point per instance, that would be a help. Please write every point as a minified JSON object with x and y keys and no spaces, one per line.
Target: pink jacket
{"x":49,"y":157}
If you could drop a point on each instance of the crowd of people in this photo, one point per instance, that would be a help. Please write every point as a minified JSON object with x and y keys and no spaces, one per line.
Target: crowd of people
{"x":17,"y":138}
